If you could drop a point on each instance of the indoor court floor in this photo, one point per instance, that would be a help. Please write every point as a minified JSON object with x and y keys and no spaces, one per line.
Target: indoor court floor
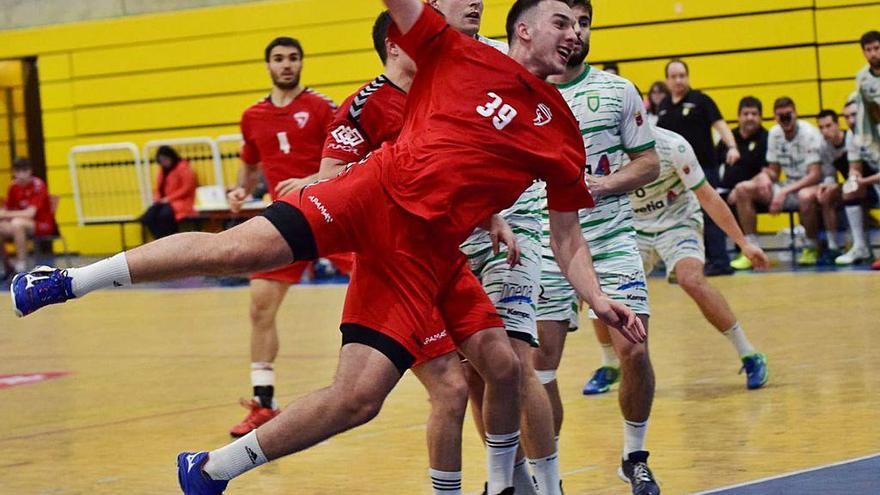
{"x":98,"y":396}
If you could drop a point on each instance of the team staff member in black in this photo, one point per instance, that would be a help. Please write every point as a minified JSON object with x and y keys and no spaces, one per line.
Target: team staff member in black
{"x":693,"y":114}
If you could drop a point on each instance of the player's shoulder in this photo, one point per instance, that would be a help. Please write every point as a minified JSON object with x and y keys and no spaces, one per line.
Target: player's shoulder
{"x":865,"y":74}
{"x":257,"y":108}
{"x":776,"y":132}
{"x":373,"y":97}
{"x":809,"y":129}
{"x":319,"y":98}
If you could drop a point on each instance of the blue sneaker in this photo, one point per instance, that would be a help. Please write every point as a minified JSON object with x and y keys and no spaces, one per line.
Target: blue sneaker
{"x":757,"y":373}
{"x":602,"y":380}
{"x":40,"y":287}
{"x":194,"y":481}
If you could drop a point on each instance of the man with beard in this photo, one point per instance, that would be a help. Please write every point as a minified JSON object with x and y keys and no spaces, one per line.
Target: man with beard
{"x":283,"y":136}
{"x":614,"y":127}
{"x":868,"y":93}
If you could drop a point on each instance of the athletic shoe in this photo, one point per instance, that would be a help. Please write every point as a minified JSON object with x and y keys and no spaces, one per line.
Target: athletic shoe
{"x":828,"y":257}
{"x":506,"y":491}
{"x":40,"y":287}
{"x":741,"y":263}
{"x":808,"y":257}
{"x":257,"y":416}
{"x":757,"y":373}
{"x":875,"y":265}
{"x":192,"y":479}
{"x":715,"y":270}
{"x":602,"y":380}
{"x":856,"y":255}
{"x":636,"y":472}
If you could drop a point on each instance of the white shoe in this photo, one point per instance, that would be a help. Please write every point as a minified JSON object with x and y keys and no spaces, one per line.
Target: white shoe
{"x":856,"y":254}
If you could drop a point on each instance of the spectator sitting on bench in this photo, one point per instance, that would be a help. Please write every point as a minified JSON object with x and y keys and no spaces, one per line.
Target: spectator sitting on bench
{"x":175,"y":194}
{"x":793,"y":147}
{"x":27,"y":212}
{"x":862,"y":190}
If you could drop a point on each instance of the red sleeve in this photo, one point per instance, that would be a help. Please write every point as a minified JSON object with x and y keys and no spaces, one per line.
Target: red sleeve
{"x":426,"y":36}
{"x":41,"y":194}
{"x":186,"y":183}
{"x":249,"y":152}
{"x":10,"y":197}
{"x":346,"y":140}
{"x":571,"y":195}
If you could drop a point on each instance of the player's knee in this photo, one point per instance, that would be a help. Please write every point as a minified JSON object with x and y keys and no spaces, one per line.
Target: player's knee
{"x":19,"y":225}
{"x":360,"y":404}
{"x":691,"y":281}
{"x":634,"y":354}
{"x":451,"y":398}
{"x":806,"y":196}
{"x":505,"y":369}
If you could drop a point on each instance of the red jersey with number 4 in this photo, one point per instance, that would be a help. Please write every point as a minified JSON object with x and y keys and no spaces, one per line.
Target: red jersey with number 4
{"x":365,"y":120}
{"x":286,"y":141}
{"x":36,"y":194}
{"x":478,"y":129}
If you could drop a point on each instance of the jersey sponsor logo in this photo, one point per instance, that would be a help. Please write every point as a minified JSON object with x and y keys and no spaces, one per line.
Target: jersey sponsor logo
{"x":347,"y":136}
{"x":322,"y":209}
{"x":650,"y":207}
{"x":302,"y":118}
{"x":671,"y":197}
{"x":543,"y":115}
{"x":593,"y":101}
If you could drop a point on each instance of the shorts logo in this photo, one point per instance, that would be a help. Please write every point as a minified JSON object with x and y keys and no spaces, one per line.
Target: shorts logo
{"x":512,"y":293}
{"x":631,"y":281}
{"x":302,"y":118}
{"x":434,"y":338}
{"x":347,"y":136}
{"x":543,"y":115}
{"x":317,"y":202}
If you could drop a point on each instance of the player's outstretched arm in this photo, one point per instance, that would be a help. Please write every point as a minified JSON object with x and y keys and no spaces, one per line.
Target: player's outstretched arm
{"x":405,"y":13}
{"x":573,"y":256}
{"x":722,"y":216}
{"x":643,"y":169}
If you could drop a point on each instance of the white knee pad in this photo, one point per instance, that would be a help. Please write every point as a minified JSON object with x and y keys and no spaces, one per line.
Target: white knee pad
{"x":546,"y":376}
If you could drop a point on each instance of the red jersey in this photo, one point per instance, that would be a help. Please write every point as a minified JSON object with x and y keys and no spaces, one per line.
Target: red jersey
{"x":36,"y":194}
{"x":478,"y":130}
{"x":365,"y":120}
{"x":286,"y":141}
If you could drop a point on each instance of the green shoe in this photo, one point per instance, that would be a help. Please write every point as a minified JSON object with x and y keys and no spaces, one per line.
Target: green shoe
{"x":757,"y":373}
{"x":741,"y":263}
{"x":809,"y":256}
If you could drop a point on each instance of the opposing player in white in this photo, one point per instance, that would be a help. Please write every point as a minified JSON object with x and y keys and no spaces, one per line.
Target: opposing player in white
{"x":613,"y":124}
{"x":514,"y":291}
{"x":669,"y":226}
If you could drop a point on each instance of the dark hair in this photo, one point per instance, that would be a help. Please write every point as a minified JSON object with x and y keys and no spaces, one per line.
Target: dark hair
{"x":828,"y":113}
{"x":284,"y":41}
{"x":380,"y":33}
{"x":611,"y":66}
{"x":519,"y":8}
{"x":750,"y":102}
{"x":687,"y":69}
{"x":586,"y":4}
{"x":661,"y":86}
{"x":870,"y":37}
{"x":21,"y":163}
{"x":169,"y":152}
{"x":782,"y":102}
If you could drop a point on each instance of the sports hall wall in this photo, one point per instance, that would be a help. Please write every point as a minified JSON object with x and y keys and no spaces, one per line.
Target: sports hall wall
{"x":191,"y":73}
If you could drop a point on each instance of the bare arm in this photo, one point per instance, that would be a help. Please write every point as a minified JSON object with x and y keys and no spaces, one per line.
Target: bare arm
{"x":29,"y":212}
{"x":814,"y":175}
{"x":405,"y":13}
{"x":248,"y":176}
{"x":726,"y":134}
{"x":720,"y":213}
{"x":573,"y":256}
{"x":643,"y":169}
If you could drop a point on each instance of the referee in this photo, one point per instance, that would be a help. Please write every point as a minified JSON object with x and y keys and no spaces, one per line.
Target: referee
{"x":694,"y":114}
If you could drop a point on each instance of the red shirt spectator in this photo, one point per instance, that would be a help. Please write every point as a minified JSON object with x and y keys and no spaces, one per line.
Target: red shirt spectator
{"x":177,"y":187}
{"x":33,"y":192}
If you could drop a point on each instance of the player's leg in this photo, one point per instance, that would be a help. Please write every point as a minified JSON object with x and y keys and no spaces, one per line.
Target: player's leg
{"x":443,"y":378}
{"x":546,"y":360}
{"x":829,"y":200}
{"x":854,"y":207}
{"x":748,"y":195}
{"x":5,"y":235}
{"x":364,"y":377}
{"x":21,"y":228}
{"x":809,"y":215}
{"x":609,"y":373}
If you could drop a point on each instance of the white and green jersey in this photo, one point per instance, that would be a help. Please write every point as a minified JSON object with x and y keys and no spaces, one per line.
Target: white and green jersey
{"x":796,"y":156}
{"x":669,"y":201}
{"x":867,"y":155}
{"x":613,"y":123}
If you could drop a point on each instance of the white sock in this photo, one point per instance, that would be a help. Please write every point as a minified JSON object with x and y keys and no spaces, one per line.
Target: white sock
{"x":856,"y":220}
{"x":19,"y":266}
{"x":546,"y":473}
{"x":263,"y":375}
{"x":522,"y":479}
{"x":109,"y":272}
{"x":609,"y":357}
{"x":633,"y":436}
{"x":738,"y":338}
{"x":832,"y":241}
{"x":501,"y":456}
{"x":236,"y":458}
{"x":445,"y":482}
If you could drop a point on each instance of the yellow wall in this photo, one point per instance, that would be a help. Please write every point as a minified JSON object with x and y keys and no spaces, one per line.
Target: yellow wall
{"x":191,"y":73}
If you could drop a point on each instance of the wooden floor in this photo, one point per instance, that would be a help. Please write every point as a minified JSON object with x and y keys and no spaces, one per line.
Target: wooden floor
{"x":158,"y":371}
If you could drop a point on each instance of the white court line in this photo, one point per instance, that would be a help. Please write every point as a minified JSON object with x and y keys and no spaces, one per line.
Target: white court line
{"x":786,"y":475}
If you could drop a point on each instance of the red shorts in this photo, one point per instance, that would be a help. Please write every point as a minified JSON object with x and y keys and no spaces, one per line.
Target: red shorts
{"x":405,"y":278}
{"x":292,"y":274}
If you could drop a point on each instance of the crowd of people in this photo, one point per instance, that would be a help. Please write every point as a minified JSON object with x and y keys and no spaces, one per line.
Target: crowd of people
{"x":483,"y":191}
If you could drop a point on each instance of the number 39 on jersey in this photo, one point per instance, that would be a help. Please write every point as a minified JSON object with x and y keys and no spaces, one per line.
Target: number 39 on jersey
{"x":501,"y":113}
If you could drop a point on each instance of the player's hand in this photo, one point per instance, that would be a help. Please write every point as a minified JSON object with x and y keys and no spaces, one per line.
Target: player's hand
{"x":777,"y":202}
{"x":236,"y":198}
{"x":621,"y":318}
{"x":597,"y":186}
{"x":733,"y":156}
{"x":501,"y":233}
{"x":757,"y":256}
{"x":286,"y":187}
